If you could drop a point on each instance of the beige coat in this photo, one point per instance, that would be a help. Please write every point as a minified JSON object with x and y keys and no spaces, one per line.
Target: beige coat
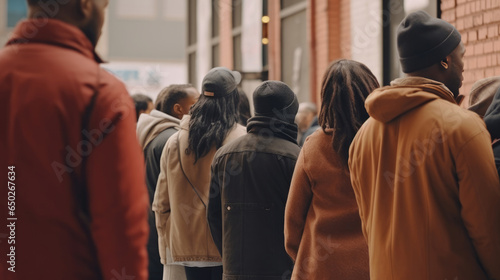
{"x":424,"y":177}
{"x":180,"y":211}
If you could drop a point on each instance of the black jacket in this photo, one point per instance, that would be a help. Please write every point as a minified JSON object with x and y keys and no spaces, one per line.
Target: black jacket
{"x":250,"y":181}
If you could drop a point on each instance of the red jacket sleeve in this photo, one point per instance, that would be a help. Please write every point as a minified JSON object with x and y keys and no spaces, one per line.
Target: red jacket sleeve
{"x":118,"y":198}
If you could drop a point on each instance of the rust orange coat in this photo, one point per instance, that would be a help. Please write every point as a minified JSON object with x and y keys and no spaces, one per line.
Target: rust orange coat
{"x":322,"y":225}
{"x":48,"y":77}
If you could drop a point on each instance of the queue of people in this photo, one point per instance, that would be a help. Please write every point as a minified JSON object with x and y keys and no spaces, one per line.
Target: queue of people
{"x":393,"y":182}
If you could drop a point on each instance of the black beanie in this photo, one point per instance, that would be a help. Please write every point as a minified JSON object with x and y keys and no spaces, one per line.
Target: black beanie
{"x":275,"y":99}
{"x":424,"y":40}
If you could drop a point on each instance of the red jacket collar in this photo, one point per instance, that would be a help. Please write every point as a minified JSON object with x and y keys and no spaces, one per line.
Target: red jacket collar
{"x":53,"y":32}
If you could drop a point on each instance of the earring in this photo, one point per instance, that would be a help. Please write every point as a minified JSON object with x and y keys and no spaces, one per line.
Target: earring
{"x":444,"y":64}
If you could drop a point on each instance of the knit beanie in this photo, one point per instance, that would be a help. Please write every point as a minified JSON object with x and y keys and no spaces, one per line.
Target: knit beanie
{"x":424,"y":40}
{"x":220,"y":82}
{"x":275,"y":99}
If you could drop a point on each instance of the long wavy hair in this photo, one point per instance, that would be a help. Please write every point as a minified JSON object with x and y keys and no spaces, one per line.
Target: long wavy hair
{"x":211,"y":120}
{"x":346,"y":84}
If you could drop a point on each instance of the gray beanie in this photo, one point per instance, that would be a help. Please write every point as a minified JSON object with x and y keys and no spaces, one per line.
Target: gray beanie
{"x":424,"y":40}
{"x":275,"y":99}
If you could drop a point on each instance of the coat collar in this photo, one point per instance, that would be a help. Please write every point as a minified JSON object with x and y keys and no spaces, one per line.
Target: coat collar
{"x":53,"y":32}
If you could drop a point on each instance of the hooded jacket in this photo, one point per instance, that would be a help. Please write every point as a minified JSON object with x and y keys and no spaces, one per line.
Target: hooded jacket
{"x":180,"y":200}
{"x":68,"y":127}
{"x":250,"y":182}
{"x":425,"y":182}
{"x":153,"y":131}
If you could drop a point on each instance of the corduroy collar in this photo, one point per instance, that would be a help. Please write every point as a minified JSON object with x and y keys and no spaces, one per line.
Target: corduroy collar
{"x":53,"y":32}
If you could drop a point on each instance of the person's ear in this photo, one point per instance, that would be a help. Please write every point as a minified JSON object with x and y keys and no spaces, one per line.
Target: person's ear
{"x":444,"y":63}
{"x":178,"y":109}
{"x":85,"y":8}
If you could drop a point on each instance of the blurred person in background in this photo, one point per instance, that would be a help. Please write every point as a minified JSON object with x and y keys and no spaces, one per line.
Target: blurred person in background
{"x":143,"y":104}
{"x":68,"y":131}
{"x":153,"y":131}
{"x":243,"y":108}
{"x":307,"y":121}
{"x":183,"y":188}
{"x":481,"y":95}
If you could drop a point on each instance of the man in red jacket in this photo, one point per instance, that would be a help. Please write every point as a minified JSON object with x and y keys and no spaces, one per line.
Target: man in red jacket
{"x":76,"y":198}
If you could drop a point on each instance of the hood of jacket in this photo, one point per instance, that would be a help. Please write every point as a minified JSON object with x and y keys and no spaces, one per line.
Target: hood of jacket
{"x":403,"y":95}
{"x":152,"y":124}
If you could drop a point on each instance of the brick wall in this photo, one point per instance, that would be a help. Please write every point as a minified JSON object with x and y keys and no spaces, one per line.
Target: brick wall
{"x":478,"y":21}
{"x":329,"y":34}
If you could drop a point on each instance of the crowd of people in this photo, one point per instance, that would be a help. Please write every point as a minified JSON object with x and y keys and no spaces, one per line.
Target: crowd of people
{"x":393,"y":182}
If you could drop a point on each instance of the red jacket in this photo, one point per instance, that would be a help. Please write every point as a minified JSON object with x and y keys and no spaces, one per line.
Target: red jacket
{"x":49,"y":75}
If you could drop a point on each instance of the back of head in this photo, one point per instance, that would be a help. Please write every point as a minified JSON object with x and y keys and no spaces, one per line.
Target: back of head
{"x":170,"y":96}
{"x":216,"y":112}
{"x":482,"y":93}
{"x":87,"y":15}
{"x":276,"y":100}
{"x":141,"y":103}
{"x":346,"y":84}
{"x":305,"y":115}
{"x":424,"y":41}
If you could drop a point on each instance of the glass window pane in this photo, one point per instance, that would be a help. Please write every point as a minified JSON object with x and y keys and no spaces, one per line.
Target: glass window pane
{"x":215,"y":55}
{"x":288,"y":3}
{"x":236,"y":5}
{"x":237,"y":59}
{"x":192,"y":68}
{"x":215,"y":18}
{"x":16,"y":11}
{"x":295,"y":51}
{"x":192,"y":22}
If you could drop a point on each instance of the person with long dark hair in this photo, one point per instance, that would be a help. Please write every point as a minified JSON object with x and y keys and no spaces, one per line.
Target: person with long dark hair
{"x":183,"y":187}
{"x":322,"y":224}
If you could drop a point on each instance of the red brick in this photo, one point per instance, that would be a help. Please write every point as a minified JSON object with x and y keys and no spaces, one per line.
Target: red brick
{"x":488,"y":4}
{"x":493,"y":59}
{"x":448,"y":16}
{"x":459,"y":24}
{"x":481,"y":34}
{"x":478,"y":20}
{"x":472,"y":7}
{"x":481,"y":62}
{"x":472,"y":35}
{"x":478,"y":6}
{"x":447,"y":4}
{"x":479,"y":49}
{"x":497,"y":71}
{"x":472,"y":63}
{"x":468,"y":22}
{"x":493,"y":31}
{"x":487,"y":17}
{"x":488,"y":47}
{"x":496,"y":15}
{"x":495,"y":3}
{"x":490,"y":72}
{"x":483,"y":4}
{"x":464,"y":38}
{"x":460,"y":10}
